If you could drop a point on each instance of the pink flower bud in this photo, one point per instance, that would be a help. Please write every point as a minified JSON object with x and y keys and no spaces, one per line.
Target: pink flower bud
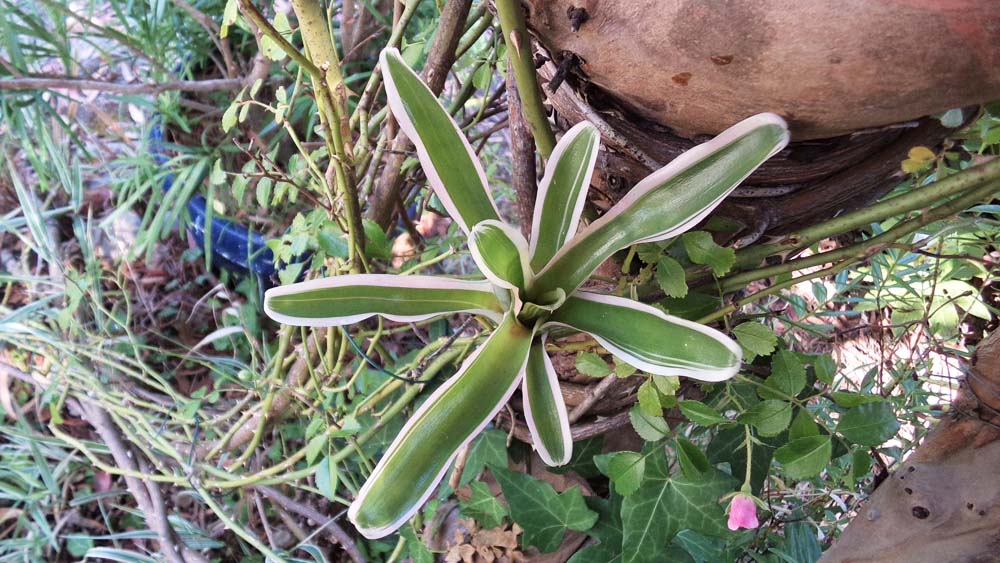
{"x":742,"y":513}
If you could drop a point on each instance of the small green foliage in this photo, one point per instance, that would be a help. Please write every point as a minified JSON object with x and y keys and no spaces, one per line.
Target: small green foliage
{"x":756,"y":339}
{"x":805,"y":457}
{"x":625,"y":469}
{"x":589,"y":363}
{"x":869,"y":424}
{"x":702,"y":249}
{"x":650,"y":428}
{"x":788,"y":377}
{"x":700,"y":413}
{"x":670,"y":276}
{"x":770,"y":417}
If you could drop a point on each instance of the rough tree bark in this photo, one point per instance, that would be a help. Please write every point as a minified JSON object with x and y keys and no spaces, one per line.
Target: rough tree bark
{"x":943,"y":504}
{"x":854,"y":80}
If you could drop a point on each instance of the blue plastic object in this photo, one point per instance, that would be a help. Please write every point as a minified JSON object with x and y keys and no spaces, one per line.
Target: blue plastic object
{"x":234,"y":247}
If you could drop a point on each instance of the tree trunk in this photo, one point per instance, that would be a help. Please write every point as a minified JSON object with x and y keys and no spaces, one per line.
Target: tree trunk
{"x":943,"y":504}
{"x":854,"y":80}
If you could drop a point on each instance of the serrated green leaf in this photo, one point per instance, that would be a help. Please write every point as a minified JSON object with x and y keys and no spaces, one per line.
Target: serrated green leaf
{"x":623,"y":369}
{"x":756,"y":339}
{"x":770,"y":417}
{"x":327,"y":479}
{"x":650,"y":428}
{"x":788,"y":377}
{"x":482,"y":506}
{"x":701,"y":249}
{"x":700,"y":413}
{"x":315,"y":447}
{"x":825,"y":368}
{"x":802,"y":425}
{"x":848,"y":399}
{"x":869,"y":424}
{"x":649,"y":399}
{"x":543,"y":514}
{"x":589,"y":363}
{"x":625,"y":469}
{"x":670,"y":276}
{"x":805,"y":457}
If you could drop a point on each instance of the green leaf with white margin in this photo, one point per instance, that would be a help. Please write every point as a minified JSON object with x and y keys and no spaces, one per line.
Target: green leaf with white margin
{"x":344,"y":300}
{"x":669,"y":201}
{"x":451,"y":166}
{"x":650,"y":339}
{"x":451,"y":417}
{"x":563,"y":191}
{"x":544,"y":408}
{"x":543,"y":514}
{"x":501,"y":253}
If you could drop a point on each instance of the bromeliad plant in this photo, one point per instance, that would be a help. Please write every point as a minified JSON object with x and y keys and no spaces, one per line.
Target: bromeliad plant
{"x":530,"y":288}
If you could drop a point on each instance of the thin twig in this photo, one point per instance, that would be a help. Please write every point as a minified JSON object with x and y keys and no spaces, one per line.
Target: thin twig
{"x":71,"y":83}
{"x":329,"y":526}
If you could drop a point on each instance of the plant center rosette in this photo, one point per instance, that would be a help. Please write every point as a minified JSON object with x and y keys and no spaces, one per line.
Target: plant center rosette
{"x":530,"y":288}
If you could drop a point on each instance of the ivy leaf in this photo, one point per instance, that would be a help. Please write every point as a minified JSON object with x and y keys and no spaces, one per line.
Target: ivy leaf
{"x":482,"y":506}
{"x":582,"y":461}
{"x":625,"y":469}
{"x":419,"y":552}
{"x":650,"y":428}
{"x":701,"y":249}
{"x":693,"y":461}
{"x":788,"y":377}
{"x":770,"y":417}
{"x":589,"y":363}
{"x":756,"y":339}
{"x":728,"y":447}
{"x":869,"y":424}
{"x":607,"y":531}
{"x":489,"y":449}
{"x":670,"y":276}
{"x":665,"y":504}
{"x":701,"y":414}
{"x":805,"y":457}
{"x":543,"y":514}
